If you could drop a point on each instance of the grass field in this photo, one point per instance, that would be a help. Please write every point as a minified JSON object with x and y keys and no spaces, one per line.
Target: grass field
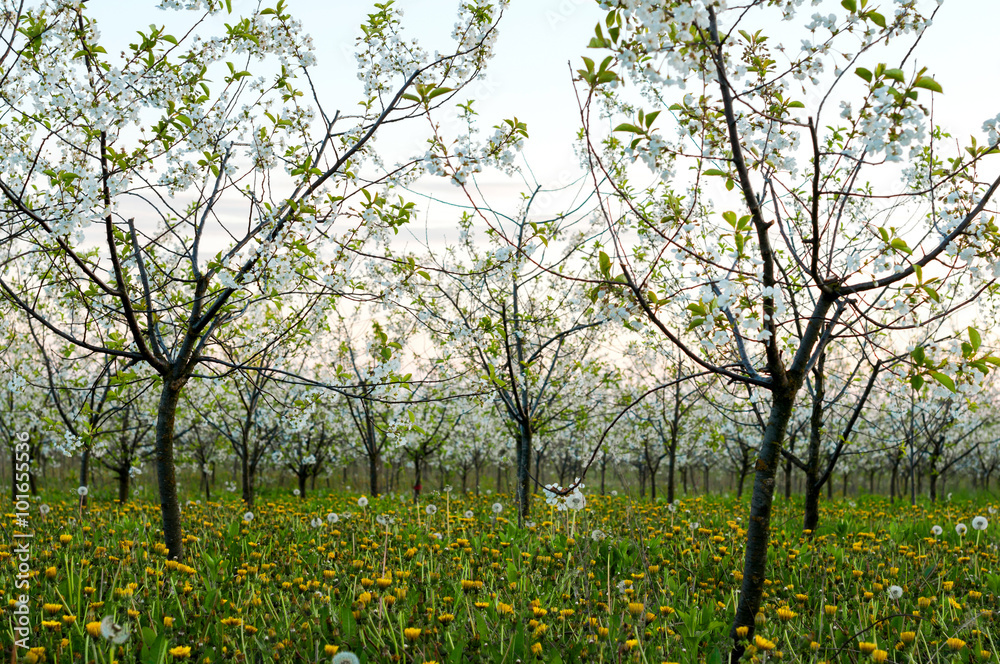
{"x":452,"y":580}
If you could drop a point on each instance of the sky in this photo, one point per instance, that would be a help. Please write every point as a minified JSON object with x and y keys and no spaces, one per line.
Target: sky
{"x":541,"y":41}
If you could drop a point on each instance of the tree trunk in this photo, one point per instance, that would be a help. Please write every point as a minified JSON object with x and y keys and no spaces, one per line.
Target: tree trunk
{"x":743,"y":477}
{"x":671,"y":467}
{"x":892,"y":483}
{"x":417,"y":477}
{"x":373,"y":474}
{"x":245,"y":471}
{"x":759,"y":523}
{"x":84,"y":470}
{"x":812,"y":506}
{"x":523,"y":465}
{"x":707,"y":486}
{"x":813,"y":486}
{"x":604,"y":466}
{"x":302,"y":476}
{"x":932,"y":479}
{"x":170,"y":510}
{"x":123,"y":482}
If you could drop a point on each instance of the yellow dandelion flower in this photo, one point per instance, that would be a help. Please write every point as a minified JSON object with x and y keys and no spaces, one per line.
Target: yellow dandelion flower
{"x":955,"y":644}
{"x":412,"y":633}
{"x":763,"y":644}
{"x":181,"y":652}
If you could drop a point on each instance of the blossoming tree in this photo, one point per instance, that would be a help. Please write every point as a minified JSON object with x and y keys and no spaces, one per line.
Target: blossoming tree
{"x":804,"y":192}
{"x":173,"y":187}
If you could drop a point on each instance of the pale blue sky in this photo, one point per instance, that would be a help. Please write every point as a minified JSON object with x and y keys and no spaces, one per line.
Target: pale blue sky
{"x":530,"y":75}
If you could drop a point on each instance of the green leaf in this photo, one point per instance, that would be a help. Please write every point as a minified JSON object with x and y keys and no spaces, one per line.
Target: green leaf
{"x":605,"y":264}
{"x":877,"y":19}
{"x":917,"y":382}
{"x":974,"y":337}
{"x":993,"y":359}
{"x":796,"y":104}
{"x":849,"y":5}
{"x":927,"y":83}
{"x":896,"y":75}
{"x":715,"y":171}
{"x":918,"y":355}
{"x":437,"y":92}
{"x":697,"y":308}
{"x":629,"y":127}
{"x":864,"y":73}
{"x":900,"y":244}
{"x":347,"y":622}
{"x":944,"y":380}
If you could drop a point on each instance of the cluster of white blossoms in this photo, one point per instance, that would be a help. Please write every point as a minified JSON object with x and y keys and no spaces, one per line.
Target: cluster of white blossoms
{"x":888,"y":128}
{"x":467,"y":156}
{"x":575,"y":500}
{"x":16,"y":383}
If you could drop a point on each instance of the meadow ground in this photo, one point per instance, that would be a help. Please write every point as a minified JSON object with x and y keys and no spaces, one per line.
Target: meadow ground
{"x":454,"y":580}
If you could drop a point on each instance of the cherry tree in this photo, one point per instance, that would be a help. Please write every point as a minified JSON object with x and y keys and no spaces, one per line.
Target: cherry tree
{"x":123,"y":171}
{"x":524,"y":332}
{"x":22,"y":396}
{"x":794,"y":195}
